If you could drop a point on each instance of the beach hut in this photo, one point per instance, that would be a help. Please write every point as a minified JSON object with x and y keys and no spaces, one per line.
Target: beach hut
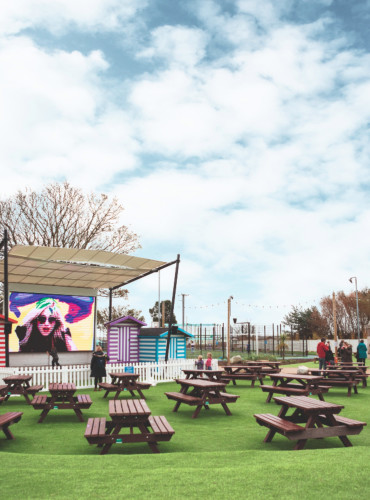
{"x":123,"y":344}
{"x":153,"y":341}
{"x":2,"y":339}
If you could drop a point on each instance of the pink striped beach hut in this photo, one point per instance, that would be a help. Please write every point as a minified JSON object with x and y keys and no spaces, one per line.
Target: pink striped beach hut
{"x":2,"y":339}
{"x":123,"y":342}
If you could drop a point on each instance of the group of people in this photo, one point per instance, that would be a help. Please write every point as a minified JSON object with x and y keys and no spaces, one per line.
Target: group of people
{"x":200,"y":362}
{"x":326,"y":356}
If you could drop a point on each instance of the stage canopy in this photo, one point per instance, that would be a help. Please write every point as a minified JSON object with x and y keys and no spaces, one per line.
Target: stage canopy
{"x":72,"y":267}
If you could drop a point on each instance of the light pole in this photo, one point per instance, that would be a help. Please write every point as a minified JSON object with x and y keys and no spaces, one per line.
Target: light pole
{"x":183,"y":295}
{"x":358,"y":316}
{"x":228,"y":327}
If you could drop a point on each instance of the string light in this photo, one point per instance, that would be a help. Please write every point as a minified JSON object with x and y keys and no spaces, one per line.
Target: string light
{"x":253,"y":306}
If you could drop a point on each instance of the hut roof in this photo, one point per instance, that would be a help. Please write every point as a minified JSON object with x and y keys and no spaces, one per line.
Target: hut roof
{"x":125,"y":319}
{"x":161,"y":332}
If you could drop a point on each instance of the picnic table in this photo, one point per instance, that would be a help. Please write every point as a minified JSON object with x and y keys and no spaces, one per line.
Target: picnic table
{"x":8,"y":419}
{"x":344,"y":378}
{"x":362,"y":374}
{"x":283,"y":383}
{"x":128,"y":414}
{"x":62,"y":398}
{"x":19,"y":384}
{"x":320,"y":420}
{"x":266,"y":365}
{"x":243,"y":372}
{"x":124,"y":382}
{"x":202,"y":394}
{"x":209,"y":374}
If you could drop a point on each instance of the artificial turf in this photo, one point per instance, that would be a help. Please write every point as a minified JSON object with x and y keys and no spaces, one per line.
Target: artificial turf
{"x":214,"y":455}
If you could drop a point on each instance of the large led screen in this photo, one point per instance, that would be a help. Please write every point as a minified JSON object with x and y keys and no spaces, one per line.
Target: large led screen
{"x":46,"y":321}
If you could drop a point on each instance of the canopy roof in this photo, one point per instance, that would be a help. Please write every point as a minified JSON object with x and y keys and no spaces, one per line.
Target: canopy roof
{"x":73,"y":267}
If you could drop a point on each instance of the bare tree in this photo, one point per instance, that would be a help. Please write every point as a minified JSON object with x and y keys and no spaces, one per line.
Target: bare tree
{"x":63,"y":216}
{"x":117,"y":312}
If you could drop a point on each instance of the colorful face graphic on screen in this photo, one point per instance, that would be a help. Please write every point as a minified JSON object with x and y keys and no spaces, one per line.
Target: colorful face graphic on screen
{"x":48,"y":322}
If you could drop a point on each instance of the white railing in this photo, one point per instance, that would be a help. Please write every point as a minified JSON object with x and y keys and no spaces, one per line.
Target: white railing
{"x":154,"y":373}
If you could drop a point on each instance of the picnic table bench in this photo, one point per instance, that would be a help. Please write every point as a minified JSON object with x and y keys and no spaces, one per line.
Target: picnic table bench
{"x":243,"y":372}
{"x":341,"y":378}
{"x":320,"y":420}
{"x":124,"y":382}
{"x":8,"y":419}
{"x":19,"y":384}
{"x":62,"y":398}
{"x":203,"y":393}
{"x":131,"y":414}
{"x":304,"y":385}
{"x":214,"y":375}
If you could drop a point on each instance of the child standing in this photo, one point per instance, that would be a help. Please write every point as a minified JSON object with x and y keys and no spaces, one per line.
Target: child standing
{"x":209,"y":361}
{"x":199,"y":363}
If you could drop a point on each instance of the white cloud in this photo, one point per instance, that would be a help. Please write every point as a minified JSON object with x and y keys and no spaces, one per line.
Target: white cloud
{"x":57,"y":16}
{"x":177,"y":45}
{"x":57,"y":118}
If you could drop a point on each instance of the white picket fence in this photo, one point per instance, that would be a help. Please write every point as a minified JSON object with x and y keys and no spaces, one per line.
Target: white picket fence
{"x":79,"y":375}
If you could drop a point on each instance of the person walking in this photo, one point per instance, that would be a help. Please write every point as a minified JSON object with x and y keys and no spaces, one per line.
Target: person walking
{"x":98,"y":362}
{"x":54,"y":357}
{"x":362,"y":352}
{"x":321,"y":350}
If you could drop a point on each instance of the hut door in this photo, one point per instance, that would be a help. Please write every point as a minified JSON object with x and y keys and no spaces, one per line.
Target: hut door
{"x":173,"y":348}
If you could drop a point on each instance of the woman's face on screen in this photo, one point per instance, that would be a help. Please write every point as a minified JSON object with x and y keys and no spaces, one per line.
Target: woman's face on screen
{"x":46,"y":322}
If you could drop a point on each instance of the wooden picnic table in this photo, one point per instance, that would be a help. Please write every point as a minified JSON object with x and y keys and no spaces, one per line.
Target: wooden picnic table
{"x":283,"y":383}
{"x":360,"y":369}
{"x":243,"y":372}
{"x":132,"y":415}
{"x":19,"y":384}
{"x":266,"y":365}
{"x":202,"y":394}
{"x":62,"y":398}
{"x":193,"y":373}
{"x":124,"y":382}
{"x":344,"y":378}
{"x":320,"y":420}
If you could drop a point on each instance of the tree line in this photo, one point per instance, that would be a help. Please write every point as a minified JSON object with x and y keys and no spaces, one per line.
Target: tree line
{"x":313,"y":322}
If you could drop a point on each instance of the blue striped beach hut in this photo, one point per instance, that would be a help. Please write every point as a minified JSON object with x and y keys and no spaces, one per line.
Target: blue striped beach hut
{"x":123,"y":344}
{"x":153,"y":341}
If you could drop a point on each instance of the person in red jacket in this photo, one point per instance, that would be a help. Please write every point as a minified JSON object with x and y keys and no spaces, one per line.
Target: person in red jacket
{"x":322,"y":348}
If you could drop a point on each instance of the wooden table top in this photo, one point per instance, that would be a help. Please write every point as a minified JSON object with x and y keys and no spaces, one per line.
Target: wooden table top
{"x":62,"y":387}
{"x":196,"y":371}
{"x":294,"y":376}
{"x":17,"y":378}
{"x":129,"y":407}
{"x":352,"y":373}
{"x":308,"y":405}
{"x":201,"y":383}
{"x":124,"y":375}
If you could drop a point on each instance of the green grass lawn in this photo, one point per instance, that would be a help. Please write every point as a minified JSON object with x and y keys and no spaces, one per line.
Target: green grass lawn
{"x":215,"y":455}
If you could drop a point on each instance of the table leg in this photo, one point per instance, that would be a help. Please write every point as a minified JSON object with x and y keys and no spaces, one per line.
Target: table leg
{"x":197,"y":410}
{"x":46,"y":410}
{"x":301,"y":443}
{"x":8,"y":433}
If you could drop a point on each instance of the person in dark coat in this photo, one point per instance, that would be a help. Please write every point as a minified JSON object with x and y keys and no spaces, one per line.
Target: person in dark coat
{"x":346,"y":353}
{"x":98,"y":362}
{"x":54,"y":356}
{"x":329,"y":356}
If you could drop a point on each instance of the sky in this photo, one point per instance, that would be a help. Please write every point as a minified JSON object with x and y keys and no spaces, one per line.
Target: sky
{"x":235,"y":133}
